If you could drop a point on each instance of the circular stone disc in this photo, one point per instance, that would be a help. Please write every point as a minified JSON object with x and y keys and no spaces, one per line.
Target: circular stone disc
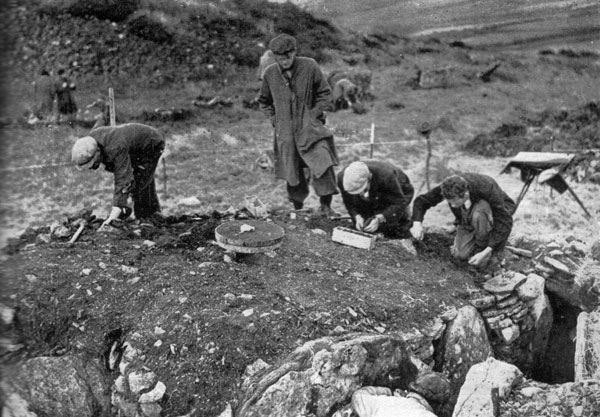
{"x":265,"y":237}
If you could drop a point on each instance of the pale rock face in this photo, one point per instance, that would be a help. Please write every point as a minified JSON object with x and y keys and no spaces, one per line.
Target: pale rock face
{"x":465,"y":344}
{"x":57,"y":386}
{"x":139,"y":381}
{"x":532,"y":288}
{"x":485,"y":383}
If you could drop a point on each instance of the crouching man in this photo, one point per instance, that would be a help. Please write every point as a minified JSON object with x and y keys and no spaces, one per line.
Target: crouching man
{"x":131,"y":152}
{"x":483,"y":213}
{"x":377,"y":196}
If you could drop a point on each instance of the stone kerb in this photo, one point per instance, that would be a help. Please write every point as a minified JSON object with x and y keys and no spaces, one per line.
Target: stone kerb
{"x":517,"y":312}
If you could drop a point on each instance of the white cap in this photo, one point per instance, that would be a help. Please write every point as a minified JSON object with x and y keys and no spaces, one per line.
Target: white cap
{"x":84,"y":150}
{"x":356,"y":177}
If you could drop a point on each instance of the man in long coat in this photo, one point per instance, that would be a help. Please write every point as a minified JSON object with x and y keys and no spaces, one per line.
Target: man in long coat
{"x":131,"y":152}
{"x":295,"y":95}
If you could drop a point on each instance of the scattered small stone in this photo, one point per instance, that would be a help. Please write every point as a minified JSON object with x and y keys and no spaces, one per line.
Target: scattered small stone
{"x":248,"y":312}
{"x":129,"y":269}
{"x":31,"y":278}
{"x":86,"y":271}
{"x":319,"y":231}
{"x":102,"y":265}
{"x":7,"y":314}
{"x":229,"y":296}
{"x":134,"y":280}
{"x":155,"y":395}
{"x":183,"y":299}
{"x":159,"y":331}
{"x":246,"y":296}
{"x":158,"y":343}
{"x":149,"y":243}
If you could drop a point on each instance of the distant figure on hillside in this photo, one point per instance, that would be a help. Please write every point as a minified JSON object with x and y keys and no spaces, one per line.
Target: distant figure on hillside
{"x":345,"y":95}
{"x":295,"y":95}
{"x":483,"y":213}
{"x":44,"y":94}
{"x":131,"y":152}
{"x":265,"y":60}
{"x":377,"y":196}
{"x":65,"y":101}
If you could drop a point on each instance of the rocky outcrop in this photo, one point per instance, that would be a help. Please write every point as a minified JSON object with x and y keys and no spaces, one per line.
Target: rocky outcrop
{"x":68,"y":386}
{"x":485,"y":385}
{"x":324,"y":373}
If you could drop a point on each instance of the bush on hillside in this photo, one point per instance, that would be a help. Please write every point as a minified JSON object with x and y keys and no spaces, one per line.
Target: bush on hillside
{"x":146,"y":27}
{"x":114,"y":10}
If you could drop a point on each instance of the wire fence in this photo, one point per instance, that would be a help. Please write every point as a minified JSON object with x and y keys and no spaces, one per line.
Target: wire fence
{"x":215,"y":150}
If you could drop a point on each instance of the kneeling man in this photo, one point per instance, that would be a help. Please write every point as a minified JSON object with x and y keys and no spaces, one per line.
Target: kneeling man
{"x":483,"y":213}
{"x":377,"y":196}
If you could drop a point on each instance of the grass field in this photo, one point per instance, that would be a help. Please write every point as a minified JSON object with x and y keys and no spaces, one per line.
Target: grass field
{"x":514,"y":24}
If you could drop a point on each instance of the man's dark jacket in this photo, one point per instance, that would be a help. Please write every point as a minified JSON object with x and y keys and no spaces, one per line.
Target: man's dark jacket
{"x":128,"y":151}
{"x":390,"y":193}
{"x":481,"y":187}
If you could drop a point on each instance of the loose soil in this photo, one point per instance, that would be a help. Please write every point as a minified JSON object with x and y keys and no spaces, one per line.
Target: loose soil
{"x":220,"y":311}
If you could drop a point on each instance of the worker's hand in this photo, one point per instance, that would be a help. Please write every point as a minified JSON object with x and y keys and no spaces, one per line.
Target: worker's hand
{"x":417,"y":230}
{"x":374,"y":224}
{"x":481,"y":258}
{"x":359,"y":222}
{"x":114,"y":214}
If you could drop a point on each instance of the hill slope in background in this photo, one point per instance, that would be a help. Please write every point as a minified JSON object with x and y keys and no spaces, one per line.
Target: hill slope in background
{"x":509,"y":24}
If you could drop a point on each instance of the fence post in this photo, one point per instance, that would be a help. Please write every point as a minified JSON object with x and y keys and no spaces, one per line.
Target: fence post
{"x":372,"y":140}
{"x":111,"y":106}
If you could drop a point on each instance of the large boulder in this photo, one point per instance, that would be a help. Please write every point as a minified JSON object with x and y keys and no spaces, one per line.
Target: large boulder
{"x":68,"y":386}
{"x":486,"y":383}
{"x":587,"y":347}
{"x":324,"y":373}
{"x":464,"y":344}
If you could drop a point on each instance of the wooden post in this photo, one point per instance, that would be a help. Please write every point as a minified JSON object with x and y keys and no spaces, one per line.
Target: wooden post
{"x":427,"y":160}
{"x":372,"y":140}
{"x":111,"y":106}
{"x":164,"y":164}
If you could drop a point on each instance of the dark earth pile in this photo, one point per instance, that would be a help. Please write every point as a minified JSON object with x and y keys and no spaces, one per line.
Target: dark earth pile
{"x":171,"y":41}
{"x":220,"y":312}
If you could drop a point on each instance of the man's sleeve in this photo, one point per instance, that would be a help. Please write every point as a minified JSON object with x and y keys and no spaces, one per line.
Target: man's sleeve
{"x":123,"y":173}
{"x":425,"y":201}
{"x":395,"y":197}
{"x":322,"y":92}
{"x":503,"y":220}
{"x":265,"y":99}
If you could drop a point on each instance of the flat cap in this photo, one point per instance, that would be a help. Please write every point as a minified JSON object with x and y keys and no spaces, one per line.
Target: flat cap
{"x":83,"y":150}
{"x":282,"y":44}
{"x":356,"y":177}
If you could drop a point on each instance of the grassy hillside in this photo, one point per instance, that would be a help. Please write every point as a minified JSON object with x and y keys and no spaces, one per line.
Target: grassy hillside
{"x":512,"y":23}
